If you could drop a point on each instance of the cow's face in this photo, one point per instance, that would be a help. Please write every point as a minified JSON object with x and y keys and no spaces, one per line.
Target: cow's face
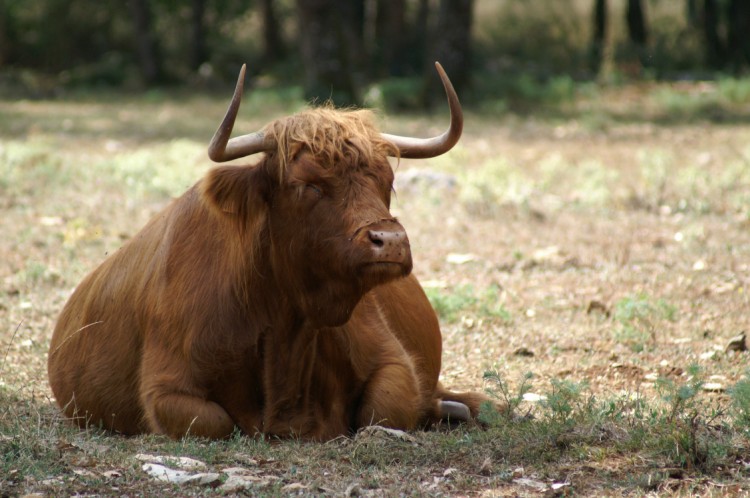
{"x":331,"y":235}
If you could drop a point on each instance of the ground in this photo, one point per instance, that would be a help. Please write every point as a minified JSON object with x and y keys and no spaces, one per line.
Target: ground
{"x":601,"y":245}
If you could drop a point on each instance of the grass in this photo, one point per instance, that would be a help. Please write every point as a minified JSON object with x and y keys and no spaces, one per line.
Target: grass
{"x":591,"y":258}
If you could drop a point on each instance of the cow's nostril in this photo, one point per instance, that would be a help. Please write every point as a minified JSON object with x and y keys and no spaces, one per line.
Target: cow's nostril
{"x":376,"y":238}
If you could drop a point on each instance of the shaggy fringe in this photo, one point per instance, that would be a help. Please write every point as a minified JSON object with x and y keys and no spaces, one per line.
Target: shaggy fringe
{"x":333,"y":136}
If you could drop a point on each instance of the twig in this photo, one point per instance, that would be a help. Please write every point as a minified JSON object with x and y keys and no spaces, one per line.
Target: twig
{"x":7,"y":351}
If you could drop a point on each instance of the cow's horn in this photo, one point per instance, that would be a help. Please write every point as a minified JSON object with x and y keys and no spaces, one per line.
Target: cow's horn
{"x":421,"y":148}
{"x":221,"y":147}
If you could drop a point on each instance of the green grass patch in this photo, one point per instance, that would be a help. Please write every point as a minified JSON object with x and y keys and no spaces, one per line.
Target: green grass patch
{"x":452,"y":304}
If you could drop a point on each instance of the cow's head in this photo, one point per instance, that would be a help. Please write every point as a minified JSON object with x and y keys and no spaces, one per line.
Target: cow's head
{"x":320,"y":200}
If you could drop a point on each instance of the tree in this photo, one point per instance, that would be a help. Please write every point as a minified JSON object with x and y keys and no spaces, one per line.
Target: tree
{"x":147,"y":46}
{"x":198,"y":52}
{"x":4,"y":35}
{"x":637,"y":29}
{"x":274,"y":48}
{"x":390,"y":38}
{"x":331,"y":49}
{"x":451,"y":40}
{"x":598,"y":40}
{"x":715,"y":50}
{"x":738,"y":34}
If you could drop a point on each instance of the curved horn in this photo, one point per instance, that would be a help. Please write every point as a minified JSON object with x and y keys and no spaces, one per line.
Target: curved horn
{"x":422,"y":148}
{"x":222,"y":149}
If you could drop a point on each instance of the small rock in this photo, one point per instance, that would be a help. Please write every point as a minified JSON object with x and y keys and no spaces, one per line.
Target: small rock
{"x":534,"y":398}
{"x":236,"y":483}
{"x":531,"y":483}
{"x":460,"y":259}
{"x":713,"y":387}
{"x":737,"y":343}
{"x":184,"y":463}
{"x":423,"y":179}
{"x":165,"y":474}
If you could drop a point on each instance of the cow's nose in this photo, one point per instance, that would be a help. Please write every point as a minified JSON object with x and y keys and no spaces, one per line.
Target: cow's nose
{"x":389,"y":245}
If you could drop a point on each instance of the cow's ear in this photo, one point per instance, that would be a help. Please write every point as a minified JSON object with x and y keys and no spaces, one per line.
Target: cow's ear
{"x":235,"y":190}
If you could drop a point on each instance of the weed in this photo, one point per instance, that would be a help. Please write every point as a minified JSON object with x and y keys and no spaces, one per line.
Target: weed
{"x":499,"y":389}
{"x":639,"y":319}
{"x":565,"y":402}
{"x":680,"y":396}
{"x":740,"y":393}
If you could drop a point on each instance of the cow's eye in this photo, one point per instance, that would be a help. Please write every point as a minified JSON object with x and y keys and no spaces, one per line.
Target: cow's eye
{"x":311,"y":187}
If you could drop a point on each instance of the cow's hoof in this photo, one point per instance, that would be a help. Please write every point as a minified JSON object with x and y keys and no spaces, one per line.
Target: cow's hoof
{"x":454,"y":411}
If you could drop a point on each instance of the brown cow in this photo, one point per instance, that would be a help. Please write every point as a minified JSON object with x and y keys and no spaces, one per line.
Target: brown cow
{"x":275,"y":297}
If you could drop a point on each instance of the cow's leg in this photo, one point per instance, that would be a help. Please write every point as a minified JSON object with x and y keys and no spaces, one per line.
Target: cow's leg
{"x":450,"y":401}
{"x":174,"y":405}
{"x":392,"y":398}
{"x":178,"y":415}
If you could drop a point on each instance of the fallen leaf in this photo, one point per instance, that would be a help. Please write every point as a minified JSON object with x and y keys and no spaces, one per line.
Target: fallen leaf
{"x":447,"y":472}
{"x":523,"y":351}
{"x":595,"y":306}
{"x":486,"y":467}
{"x":295,"y":486}
{"x":737,"y":343}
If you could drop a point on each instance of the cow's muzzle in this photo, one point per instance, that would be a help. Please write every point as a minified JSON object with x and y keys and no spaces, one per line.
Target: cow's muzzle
{"x":387,"y":246}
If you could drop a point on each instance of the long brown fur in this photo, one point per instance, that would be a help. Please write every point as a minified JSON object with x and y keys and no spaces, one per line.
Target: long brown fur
{"x":274,"y":298}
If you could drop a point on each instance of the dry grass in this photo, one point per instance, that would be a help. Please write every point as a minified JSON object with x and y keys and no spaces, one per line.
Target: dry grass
{"x":596,"y":248}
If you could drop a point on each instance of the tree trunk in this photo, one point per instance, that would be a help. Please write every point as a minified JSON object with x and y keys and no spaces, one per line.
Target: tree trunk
{"x":390,"y":32}
{"x":600,"y":33}
{"x":692,"y":13}
{"x":274,"y":48}
{"x":636,"y":23}
{"x":329,"y":50}
{"x":452,"y":48}
{"x":198,"y":54}
{"x":146,"y":43}
{"x":738,"y":34}
{"x":715,"y":50}
{"x":4,"y":35}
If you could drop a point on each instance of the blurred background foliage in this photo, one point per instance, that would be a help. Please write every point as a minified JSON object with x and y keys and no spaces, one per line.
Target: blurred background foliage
{"x":377,"y":52}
